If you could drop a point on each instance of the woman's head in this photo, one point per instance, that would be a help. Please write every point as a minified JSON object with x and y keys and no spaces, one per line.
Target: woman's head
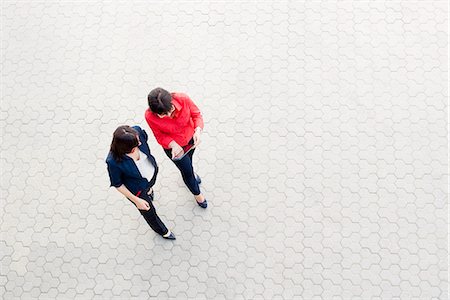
{"x":160,"y":102}
{"x":125,"y":139}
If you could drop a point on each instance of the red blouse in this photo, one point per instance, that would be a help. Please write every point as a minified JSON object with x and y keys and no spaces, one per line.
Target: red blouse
{"x":180,"y":126}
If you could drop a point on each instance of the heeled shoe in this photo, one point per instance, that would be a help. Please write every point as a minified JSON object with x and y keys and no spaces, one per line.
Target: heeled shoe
{"x":151,"y":195}
{"x":199,"y":180}
{"x":171,"y":236}
{"x":203,"y":204}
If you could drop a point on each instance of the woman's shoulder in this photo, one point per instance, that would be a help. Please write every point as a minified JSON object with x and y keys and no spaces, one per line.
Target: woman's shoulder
{"x":110,"y":160}
{"x":148,"y":113}
{"x":137,"y":128}
{"x":151,"y":118}
{"x":181,"y":97}
{"x":142,"y":134}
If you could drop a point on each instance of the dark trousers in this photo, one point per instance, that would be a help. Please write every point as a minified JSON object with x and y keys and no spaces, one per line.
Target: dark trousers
{"x":187,"y":170}
{"x":151,"y":217}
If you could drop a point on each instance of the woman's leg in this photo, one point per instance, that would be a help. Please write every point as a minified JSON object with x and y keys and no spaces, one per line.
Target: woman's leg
{"x":190,"y":154}
{"x":187,"y":171}
{"x":152,"y":218}
{"x":197,"y":177}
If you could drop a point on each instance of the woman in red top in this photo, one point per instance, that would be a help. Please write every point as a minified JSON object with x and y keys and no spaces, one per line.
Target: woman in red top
{"x":177,"y":125}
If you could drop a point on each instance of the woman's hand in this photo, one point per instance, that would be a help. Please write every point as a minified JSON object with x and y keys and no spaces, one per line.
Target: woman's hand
{"x":142,"y":204}
{"x":177,"y":150}
{"x":196,"y":137}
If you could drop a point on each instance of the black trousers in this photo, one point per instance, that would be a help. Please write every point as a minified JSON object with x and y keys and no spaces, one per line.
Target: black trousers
{"x":187,"y":170}
{"x":151,"y":216}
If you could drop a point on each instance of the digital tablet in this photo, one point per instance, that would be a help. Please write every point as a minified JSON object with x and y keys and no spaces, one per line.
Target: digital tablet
{"x":186,"y":150}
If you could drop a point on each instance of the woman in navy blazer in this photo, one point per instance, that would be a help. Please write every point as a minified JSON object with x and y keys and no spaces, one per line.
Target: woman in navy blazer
{"x":132,"y":171}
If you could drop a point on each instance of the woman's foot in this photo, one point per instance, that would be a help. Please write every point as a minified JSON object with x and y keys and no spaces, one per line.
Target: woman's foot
{"x":151,"y":193}
{"x":201,"y":201}
{"x":169,"y":236}
{"x":203,"y":204}
{"x":199,"y":180}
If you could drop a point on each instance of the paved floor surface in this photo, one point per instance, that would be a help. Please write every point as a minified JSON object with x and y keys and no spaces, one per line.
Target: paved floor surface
{"x":324,"y":155}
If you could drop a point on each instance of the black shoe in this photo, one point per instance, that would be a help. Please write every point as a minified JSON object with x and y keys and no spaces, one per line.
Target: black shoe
{"x":199,"y":180}
{"x":171,"y":236}
{"x":204,"y":204}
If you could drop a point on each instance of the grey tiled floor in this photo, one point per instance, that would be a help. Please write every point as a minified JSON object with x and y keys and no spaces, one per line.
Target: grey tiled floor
{"x":324,"y":155}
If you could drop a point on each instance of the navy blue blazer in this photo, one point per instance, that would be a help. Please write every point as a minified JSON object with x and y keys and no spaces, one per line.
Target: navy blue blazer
{"x":126,"y":172}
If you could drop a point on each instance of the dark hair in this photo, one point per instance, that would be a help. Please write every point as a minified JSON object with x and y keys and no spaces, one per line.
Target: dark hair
{"x":124,"y":140}
{"x":159,"y":101}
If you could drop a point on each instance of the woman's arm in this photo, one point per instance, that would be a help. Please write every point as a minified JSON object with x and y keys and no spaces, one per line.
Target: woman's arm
{"x":197,"y":118}
{"x":196,"y":115}
{"x":162,"y":138}
{"x":116,"y":181}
